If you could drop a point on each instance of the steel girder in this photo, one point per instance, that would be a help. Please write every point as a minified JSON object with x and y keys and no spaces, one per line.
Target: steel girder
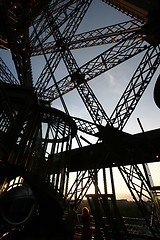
{"x":131,"y":8}
{"x":110,"y":34}
{"x":136,"y":87}
{"x":62,"y":11}
{"x":72,"y":25}
{"x":6,"y":75}
{"x":18,"y":42}
{"x":112,"y":57}
{"x":142,"y":195}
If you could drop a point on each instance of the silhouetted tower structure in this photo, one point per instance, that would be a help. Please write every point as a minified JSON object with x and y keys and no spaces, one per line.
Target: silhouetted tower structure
{"x":36,"y":140}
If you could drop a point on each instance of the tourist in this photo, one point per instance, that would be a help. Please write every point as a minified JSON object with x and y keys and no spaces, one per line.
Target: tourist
{"x":86,"y":220}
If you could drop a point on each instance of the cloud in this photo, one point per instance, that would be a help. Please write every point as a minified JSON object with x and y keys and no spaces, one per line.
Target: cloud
{"x":116,"y":83}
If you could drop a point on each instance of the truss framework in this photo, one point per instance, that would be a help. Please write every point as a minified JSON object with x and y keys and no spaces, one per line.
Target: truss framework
{"x":50,"y":21}
{"x":110,"y":34}
{"x":142,"y":195}
{"x":100,"y":64}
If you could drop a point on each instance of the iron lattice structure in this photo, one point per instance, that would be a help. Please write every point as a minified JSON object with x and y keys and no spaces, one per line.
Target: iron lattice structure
{"x":36,"y":140}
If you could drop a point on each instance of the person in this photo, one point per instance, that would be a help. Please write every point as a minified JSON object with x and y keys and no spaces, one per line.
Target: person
{"x":86,"y":220}
{"x":71,"y":222}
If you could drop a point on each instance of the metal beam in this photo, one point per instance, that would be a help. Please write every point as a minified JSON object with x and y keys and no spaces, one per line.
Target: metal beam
{"x":112,"y":57}
{"x":132,"y":8}
{"x":136,"y":87}
{"x":110,"y":34}
{"x":6,"y":75}
{"x":17,"y":35}
{"x":140,"y":191}
{"x":61,"y":10}
{"x":71,"y":27}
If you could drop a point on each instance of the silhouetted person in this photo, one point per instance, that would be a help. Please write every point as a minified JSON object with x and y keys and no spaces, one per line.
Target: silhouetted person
{"x":70,"y":223}
{"x":86,"y":220}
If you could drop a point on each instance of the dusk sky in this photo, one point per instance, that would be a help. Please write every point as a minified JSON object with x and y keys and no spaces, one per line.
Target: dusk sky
{"x":109,"y":86}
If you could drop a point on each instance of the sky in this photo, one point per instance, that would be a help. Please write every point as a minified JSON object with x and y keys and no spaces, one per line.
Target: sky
{"x":109,"y":86}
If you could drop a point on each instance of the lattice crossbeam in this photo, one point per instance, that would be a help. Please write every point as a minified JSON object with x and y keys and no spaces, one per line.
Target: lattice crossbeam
{"x":101,"y":36}
{"x":100,"y":64}
{"x":136,"y":87}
